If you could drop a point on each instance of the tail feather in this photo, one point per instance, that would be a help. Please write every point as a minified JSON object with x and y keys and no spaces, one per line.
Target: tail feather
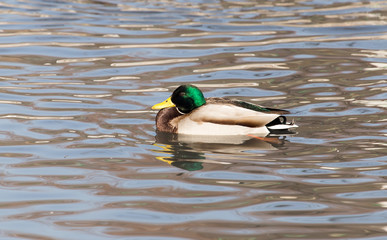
{"x":280,"y":123}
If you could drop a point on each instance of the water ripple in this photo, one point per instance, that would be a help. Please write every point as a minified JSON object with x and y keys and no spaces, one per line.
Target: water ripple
{"x":374,"y":218}
{"x":80,"y":156}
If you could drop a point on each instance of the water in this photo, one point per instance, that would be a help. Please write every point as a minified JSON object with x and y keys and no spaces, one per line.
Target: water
{"x":80,"y":158}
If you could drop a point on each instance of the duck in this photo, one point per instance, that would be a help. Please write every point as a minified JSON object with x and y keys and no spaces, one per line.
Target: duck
{"x":188,"y":112}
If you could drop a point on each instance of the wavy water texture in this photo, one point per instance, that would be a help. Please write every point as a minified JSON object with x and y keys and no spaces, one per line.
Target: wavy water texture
{"x":80,"y":157}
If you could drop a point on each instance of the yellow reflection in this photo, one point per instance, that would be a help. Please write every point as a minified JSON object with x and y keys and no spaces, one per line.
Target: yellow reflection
{"x":165,"y":159}
{"x":164,"y":149}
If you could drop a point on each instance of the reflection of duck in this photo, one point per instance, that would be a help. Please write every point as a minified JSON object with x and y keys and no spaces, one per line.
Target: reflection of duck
{"x":190,"y":153}
{"x":232,"y":144}
{"x":188,"y":112}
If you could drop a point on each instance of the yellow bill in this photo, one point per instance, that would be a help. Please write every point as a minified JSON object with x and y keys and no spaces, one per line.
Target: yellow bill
{"x":165,"y":104}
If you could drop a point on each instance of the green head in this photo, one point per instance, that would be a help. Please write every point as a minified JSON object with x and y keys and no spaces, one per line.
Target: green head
{"x":187,"y":98}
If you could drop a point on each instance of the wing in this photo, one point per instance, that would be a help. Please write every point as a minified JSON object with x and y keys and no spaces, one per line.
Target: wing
{"x":230,"y":114}
{"x":246,"y":105}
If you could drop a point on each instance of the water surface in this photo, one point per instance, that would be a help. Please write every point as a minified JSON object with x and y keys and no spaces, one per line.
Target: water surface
{"x":80,"y":158}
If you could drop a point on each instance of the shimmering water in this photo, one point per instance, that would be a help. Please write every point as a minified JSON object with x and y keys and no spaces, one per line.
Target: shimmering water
{"x":80,"y":158}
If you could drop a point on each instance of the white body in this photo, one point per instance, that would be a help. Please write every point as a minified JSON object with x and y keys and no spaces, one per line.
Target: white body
{"x":222,"y":120}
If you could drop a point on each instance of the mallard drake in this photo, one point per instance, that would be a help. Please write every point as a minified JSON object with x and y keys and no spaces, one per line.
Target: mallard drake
{"x":188,"y":112}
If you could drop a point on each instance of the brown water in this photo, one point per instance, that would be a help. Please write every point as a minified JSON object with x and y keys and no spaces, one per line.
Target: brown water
{"x":80,"y":158}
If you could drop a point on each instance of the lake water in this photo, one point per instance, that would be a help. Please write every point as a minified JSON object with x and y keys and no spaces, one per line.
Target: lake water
{"x":80,"y":157}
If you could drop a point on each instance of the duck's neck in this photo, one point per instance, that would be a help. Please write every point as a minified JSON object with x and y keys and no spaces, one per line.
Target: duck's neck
{"x":164,"y":117}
